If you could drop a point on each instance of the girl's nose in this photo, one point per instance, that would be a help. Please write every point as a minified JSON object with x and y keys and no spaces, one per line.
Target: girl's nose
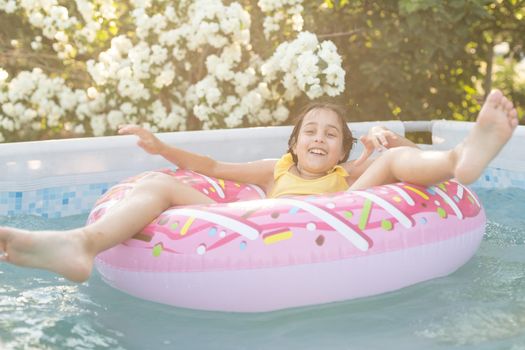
{"x":319,"y":138}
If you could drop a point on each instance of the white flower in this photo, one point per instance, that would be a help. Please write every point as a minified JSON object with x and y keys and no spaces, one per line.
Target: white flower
{"x":115,"y":118}
{"x":314,"y":91}
{"x":165,"y":78}
{"x":281,"y":113}
{"x":36,"y":19}
{"x":213,"y":96}
{"x":501,"y":49}
{"x":79,"y":129}
{"x":98,"y":125}
{"x":7,"y":124}
{"x":3,"y":75}
{"x":128,"y":109}
{"x":122,"y":44}
{"x":9,"y":109}
{"x":10,"y":7}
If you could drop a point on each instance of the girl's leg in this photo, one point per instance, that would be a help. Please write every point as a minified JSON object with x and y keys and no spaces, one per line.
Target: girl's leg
{"x":493,"y":128}
{"x":71,"y":253}
{"x":410,"y":165}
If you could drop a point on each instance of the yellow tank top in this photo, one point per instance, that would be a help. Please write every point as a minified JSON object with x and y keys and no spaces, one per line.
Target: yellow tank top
{"x":287,"y":183}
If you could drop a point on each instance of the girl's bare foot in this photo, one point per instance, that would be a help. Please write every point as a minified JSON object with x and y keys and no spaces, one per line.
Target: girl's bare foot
{"x":494,"y":126}
{"x":63,"y":252}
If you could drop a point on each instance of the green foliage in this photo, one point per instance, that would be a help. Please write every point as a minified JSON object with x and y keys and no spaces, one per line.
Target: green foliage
{"x":421,"y":59}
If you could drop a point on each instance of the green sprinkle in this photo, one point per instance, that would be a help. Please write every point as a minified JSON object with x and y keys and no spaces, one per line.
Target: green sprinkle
{"x":348,"y":214}
{"x":442,"y":186}
{"x":157,"y":250}
{"x":441,"y":212}
{"x":386,"y":225}
{"x":363,"y":221}
{"x":174,"y":226}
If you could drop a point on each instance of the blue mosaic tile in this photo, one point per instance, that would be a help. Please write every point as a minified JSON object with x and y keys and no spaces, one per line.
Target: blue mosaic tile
{"x":58,"y":202}
{"x":53,"y":202}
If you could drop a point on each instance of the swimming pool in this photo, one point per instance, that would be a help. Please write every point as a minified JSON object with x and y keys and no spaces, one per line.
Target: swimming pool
{"x":481,"y":306}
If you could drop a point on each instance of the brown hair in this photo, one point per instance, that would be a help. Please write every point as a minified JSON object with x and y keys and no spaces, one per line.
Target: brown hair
{"x":348,"y":139}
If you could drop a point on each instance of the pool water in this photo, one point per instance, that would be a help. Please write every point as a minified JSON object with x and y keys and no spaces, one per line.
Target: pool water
{"x":480,"y":306}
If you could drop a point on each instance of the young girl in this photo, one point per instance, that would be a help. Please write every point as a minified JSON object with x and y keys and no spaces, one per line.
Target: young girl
{"x":316,"y":162}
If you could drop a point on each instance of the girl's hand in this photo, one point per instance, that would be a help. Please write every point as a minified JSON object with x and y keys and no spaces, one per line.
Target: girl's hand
{"x":378,"y":139}
{"x":147,"y":141}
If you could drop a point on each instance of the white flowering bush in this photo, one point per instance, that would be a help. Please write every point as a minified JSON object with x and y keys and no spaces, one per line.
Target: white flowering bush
{"x":167,"y":65}
{"x":281,"y":13}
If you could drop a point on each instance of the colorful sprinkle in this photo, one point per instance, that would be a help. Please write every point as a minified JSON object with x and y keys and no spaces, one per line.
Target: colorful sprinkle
{"x":442,"y":186}
{"x":277,"y":236}
{"x":187,"y":226}
{"x":363,"y":221}
{"x":442,"y":213}
{"x":456,"y":199}
{"x":293,"y":210}
{"x":201,"y":249}
{"x":212,"y":189}
{"x":386,"y":225}
{"x":311,"y":226}
{"x":221,"y":183}
{"x":348,"y":214}
{"x":212,"y":231}
{"x":423,"y":220}
{"x":319,"y":240}
{"x":174,"y":225}
{"x":416,"y":191}
{"x":243,"y":245}
{"x":396,"y":199}
{"x":222,"y":234}
{"x":157,"y":249}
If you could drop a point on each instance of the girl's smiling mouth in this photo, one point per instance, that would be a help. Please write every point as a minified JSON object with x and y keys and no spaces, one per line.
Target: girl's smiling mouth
{"x":317,"y":151}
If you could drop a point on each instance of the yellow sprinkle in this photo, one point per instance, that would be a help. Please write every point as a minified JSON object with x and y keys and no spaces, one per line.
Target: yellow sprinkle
{"x":221,"y":182}
{"x":396,"y":199}
{"x":212,"y":189}
{"x":186,"y":226}
{"x":416,"y":191}
{"x":278,"y":237}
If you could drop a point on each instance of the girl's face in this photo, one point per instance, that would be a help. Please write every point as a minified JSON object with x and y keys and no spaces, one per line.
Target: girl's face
{"x":319,"y":145}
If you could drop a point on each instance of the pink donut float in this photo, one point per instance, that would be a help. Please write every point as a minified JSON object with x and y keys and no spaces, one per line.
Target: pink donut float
{"x":250,"y":254}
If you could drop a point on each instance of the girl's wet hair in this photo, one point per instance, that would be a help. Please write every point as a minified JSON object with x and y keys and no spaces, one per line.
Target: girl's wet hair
{"x":348,"y":139}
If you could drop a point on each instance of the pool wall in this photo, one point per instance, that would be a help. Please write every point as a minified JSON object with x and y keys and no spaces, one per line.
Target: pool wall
{"x":60,"y":178}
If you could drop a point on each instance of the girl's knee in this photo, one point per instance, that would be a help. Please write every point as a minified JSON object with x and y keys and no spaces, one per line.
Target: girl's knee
{"x":158,"y":180}
{"x":399,"y":152}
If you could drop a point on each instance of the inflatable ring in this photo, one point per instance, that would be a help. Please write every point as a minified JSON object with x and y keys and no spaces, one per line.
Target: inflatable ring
{"x":249,"y":254}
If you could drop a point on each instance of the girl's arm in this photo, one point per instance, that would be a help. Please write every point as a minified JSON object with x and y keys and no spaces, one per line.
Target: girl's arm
{"x":378,"y":138}
{"x":258,"y":172}
{"x":382,"y":137}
